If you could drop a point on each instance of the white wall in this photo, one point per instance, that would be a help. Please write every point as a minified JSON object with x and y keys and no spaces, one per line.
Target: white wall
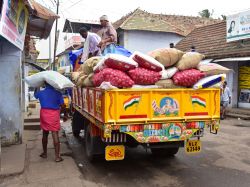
{"x":232,"y":80}
{"x":145,"y":41}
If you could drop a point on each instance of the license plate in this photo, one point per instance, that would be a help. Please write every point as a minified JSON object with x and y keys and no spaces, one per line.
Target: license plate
{"x":193,"y":146}
{"x":115,"y":152}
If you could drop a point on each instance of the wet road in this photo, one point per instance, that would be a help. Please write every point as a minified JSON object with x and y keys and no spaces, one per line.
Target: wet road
{"x":223,"y":162}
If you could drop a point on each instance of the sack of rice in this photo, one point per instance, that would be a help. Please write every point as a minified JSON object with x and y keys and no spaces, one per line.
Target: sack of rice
{"x":88,"y":66}
{"x":123,"y":63}
{"x":209,"y":81}
{"x":147,"y":62}
{"x":166,"y":56}
{"x":168,"y":73}
{"x":53,"y":78}
{"x":213,"y":69}
{"x":187,"y":78}
{"x":189,"y":60}
{"x":116,"y":78}
{"x":144,"y":76}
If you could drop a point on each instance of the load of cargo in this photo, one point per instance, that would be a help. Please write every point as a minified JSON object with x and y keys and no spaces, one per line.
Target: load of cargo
{"x":161,"y":68}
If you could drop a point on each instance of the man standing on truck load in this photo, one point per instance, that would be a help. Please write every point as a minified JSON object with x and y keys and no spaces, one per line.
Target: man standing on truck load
{"x":50,"y":100}
{"x":91,"y":43}
{"x":225,"y":99}
{"x":108,"y":35}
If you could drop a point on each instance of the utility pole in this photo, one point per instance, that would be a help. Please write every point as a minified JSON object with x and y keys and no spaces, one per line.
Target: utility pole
{"x":55,"y":44}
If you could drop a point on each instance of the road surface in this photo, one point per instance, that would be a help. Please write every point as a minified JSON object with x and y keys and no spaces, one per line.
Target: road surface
{"x":224,"y":162}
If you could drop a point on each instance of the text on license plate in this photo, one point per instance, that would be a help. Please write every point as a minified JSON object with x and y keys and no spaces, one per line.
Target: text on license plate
{"x":115,"y":152}
{"x":193,"y":146}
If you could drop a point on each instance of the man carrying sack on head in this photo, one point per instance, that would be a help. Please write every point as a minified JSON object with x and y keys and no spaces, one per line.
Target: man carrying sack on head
{"x":108,"y":35}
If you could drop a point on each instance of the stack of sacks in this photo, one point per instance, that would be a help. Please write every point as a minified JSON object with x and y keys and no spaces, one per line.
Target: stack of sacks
{"x":149,"y":70}
{"x":114,"y":69}
{"x":215,"y":75}
{"x":83,"y":77}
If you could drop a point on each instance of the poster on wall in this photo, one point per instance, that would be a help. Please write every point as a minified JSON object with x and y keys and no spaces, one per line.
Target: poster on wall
{"x":244,"y":96}
{"x":13,"y":22}
{"x":238,"y":26}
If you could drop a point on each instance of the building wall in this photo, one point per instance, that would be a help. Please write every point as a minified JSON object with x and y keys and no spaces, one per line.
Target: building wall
{"x":232,"y":80}
{"x":11,"y":119}
{"x":145,"y":41}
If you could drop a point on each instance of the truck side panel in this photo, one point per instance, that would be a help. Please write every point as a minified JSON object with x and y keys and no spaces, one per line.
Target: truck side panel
{"x":161,"y":105}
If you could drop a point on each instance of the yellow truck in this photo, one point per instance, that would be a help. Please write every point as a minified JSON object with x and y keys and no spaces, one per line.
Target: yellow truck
{"x":162,"y":120}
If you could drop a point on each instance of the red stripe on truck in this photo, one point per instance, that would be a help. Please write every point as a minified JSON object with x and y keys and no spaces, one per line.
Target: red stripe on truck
{"x":196,"y":114}
{"x":133,"y":116}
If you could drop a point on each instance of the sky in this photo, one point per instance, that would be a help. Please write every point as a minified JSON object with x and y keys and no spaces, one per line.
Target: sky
{"x":115,"y":9}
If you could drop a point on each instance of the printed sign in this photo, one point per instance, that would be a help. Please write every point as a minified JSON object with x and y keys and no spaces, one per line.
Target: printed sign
{"x":13,"y":22}
{"x":238,"y":26}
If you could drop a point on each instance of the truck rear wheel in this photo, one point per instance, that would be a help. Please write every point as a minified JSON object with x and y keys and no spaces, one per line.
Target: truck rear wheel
{"x":93,"y":144}
{"x":165,"y":151}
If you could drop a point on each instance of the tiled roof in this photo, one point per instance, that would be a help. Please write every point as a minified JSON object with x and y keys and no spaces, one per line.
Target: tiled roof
{"x":211,"y":41}
{"x":142,"y":20}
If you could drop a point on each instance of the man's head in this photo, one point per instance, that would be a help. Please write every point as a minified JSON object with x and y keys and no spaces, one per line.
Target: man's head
{"x":104,"y":20}
{"x":171,"y":45}
{"x":83,"y":32}
{"x":224,"y":84}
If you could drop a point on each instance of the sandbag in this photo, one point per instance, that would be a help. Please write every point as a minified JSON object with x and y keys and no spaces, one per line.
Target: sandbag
{"x":147,"y":62}
{"x":168,"y":73}
{"x":53,"y":78}
{"x":88,"y":66}
{"x":166,"y":56}
{"x":144,"y":76}
{"x":209,"y":81}
{"x":88,"y":82}
{"x":116,"y":78}
{"x":189,"y":60}
{"x":187,"y":78}
{"x":213,"y":69}
{"x":75,"y":75}
{"x":80,"y":80}
{"x":123,"y":63}
{"x":100,"y":66}
{"x":167,"y":83}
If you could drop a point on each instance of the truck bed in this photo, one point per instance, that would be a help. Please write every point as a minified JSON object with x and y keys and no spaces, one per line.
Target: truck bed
{"x":135,"y":106}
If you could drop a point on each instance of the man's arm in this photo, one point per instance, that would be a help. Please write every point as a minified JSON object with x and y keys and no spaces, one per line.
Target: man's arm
{"x":229,"y":95}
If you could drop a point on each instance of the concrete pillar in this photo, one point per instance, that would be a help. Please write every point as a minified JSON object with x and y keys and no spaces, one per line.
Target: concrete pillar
{"x":10,"y":95}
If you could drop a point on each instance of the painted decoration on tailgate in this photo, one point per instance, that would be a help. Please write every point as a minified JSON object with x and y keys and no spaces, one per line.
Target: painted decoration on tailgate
{"x":131,"y":101}
{"x":199,"y":101}
{"x":162,"y":132}
{"x":168,"y":107}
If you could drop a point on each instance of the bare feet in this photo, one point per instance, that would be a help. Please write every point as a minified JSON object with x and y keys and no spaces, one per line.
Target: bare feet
{"x":43,"y":155}
{"x":59,"y":159}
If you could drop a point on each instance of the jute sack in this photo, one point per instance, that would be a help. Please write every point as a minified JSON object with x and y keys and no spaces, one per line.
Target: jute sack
{"x":189,"y":60}
{"x":167,"y":56}
{"x":88,"y":66}
{"x":88,"y":81}
{"x":81,"y":80}
{"x":167,"y":83}
{"x":75,"y":75}
{"x":213,"y":69}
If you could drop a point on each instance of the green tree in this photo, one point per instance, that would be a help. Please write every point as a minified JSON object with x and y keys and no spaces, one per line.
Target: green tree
{"x":206,"y":13}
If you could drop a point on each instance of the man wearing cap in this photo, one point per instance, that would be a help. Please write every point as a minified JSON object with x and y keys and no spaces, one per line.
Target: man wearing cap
{"x":108,"y":35}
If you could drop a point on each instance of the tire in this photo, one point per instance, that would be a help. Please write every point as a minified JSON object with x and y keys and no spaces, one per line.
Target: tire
{"x":165,"y":152}
{"x":77,"y":124}
{"x":94,"y":146}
